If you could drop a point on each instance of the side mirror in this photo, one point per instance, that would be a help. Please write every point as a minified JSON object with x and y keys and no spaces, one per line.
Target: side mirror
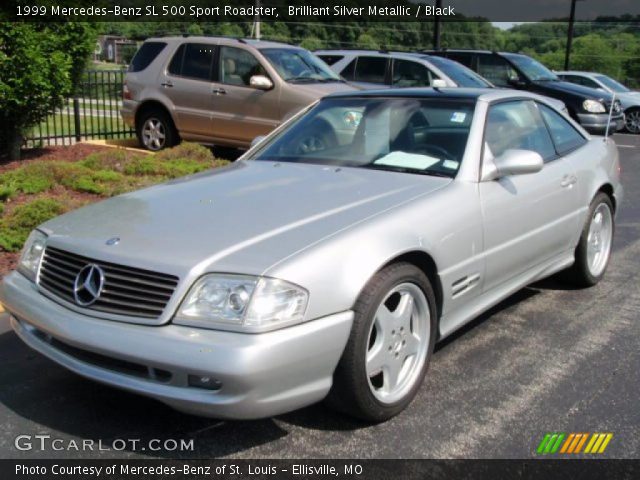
{"x":438,"y":83}
{"x":261,"y":82}
{"x":257,"y":140}
{"x":513,"y":162}
{"x":516,"y":83}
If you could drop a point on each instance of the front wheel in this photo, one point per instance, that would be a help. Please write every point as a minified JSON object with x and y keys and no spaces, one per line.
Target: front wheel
{"x":632,"y":120}
{"x":390,"y":345}
{"x":594,"y":248}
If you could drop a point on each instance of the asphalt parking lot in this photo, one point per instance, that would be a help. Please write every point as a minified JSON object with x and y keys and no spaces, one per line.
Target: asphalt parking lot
{"x":548,"y":359}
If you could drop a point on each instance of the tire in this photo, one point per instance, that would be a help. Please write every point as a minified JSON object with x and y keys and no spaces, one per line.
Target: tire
{"x":155,"y":130}
{"x":632,"y":120}
{"x":379,"y":387}
{"x":594,"y":248}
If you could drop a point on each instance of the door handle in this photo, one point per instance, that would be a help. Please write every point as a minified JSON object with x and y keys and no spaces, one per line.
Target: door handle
{"x":167,"y":84}
{"x":219,"y":91}
{"x":568,"y":180}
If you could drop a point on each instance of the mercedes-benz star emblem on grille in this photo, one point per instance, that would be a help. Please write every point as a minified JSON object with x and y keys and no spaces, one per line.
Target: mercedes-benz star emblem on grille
{"x":113,"y":241}
{"x":88,"y":285}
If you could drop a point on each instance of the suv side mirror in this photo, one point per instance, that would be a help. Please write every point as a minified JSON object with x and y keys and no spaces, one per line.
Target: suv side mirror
{"x":516,"y":82}
{"x":513,"y":162}
{"x":438,"y":83}
{"x":261,"y":82}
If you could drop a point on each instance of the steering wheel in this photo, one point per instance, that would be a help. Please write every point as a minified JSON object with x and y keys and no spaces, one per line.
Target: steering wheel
{"x":439,"y":151}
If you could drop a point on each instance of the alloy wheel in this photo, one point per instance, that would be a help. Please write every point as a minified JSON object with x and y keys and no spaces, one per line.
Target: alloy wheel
{"x":599,"y":239}
{"x":153,"y":134}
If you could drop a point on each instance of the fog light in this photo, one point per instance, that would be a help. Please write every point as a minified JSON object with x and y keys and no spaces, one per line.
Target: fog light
{"x":205,"y":382}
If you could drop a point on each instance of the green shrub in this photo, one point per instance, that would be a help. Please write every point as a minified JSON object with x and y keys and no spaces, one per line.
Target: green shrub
{"x":32,"y":178}
{"x":192,"y":151}
{"x":112,"y":159}
{"x":17,"y":224}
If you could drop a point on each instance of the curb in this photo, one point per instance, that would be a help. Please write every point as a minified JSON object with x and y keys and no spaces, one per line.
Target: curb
{"x":129,"y":145}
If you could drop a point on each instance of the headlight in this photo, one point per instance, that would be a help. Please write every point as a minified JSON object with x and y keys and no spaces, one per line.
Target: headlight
{"x":244,"y":303}
{"x":593,"y":106}
{"x":32,"y":254}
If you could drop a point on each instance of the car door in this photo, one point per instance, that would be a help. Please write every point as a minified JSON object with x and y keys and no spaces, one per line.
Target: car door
{"x":242,"y":112}
{"x":499,"y":71}
{"x":407,"y":73}
{"x":527,"y":219}
{"x":187,"y":83}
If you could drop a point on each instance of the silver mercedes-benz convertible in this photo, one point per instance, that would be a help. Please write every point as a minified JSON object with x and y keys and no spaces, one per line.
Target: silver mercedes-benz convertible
{"x":328,"y":260}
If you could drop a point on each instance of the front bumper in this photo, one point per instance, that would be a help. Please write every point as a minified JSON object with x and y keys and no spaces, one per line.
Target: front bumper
{"x":260,"y":374}
{"x":596,"y":123}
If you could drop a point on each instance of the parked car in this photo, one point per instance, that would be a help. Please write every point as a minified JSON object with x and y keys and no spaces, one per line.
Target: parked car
{"x":629,"y":99}
{"x":588,"y":106}
{"x":293,"y":275}
{"x":216,"y":90}
{"x":370,"y":69}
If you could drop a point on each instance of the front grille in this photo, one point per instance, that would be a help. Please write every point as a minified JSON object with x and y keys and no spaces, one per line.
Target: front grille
{"x":127,"y":290}
{"x":617,"y":106}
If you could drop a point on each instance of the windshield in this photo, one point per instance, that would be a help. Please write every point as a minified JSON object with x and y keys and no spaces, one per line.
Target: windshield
{"x":410,"y":135}
{"x":611,"y":84}
{"x":296,"y":65}
{"x":463,"y":76}
{"x":532,"y":69}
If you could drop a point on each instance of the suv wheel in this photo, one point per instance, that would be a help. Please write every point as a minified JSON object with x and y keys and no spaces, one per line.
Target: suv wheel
{"x":632,"y":120}
{"x":155,"y":130}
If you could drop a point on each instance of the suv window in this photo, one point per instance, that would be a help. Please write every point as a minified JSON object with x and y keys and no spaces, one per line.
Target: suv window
{"x":518,"y":125}
{"x":331,"y":59}
{"x":147,"y":54}
{"x":464,"y":58}
{"x":349,"y":72}
{"x":496,"y":69}
{"x":237,"y":66}
{"x":565,"y":137}
{"x":193,"y":60}
{"x":587,"y":82}
{"x":371,"y":69}
{"x":411,"y":74}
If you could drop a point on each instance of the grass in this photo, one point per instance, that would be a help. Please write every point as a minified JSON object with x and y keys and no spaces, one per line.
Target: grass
{"x":40,"y":190}
{"x":61,"y":124}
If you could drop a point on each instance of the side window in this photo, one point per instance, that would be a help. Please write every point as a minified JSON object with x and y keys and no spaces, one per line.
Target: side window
{"x":237,"y":66}
{"x":331,"y":59}
{"x":565,"y":137}
{"x":193,"y":60}
{"x":411,"y":74}
{"x":463,"y":58}
{"x":518,"y":125}
{"x":496,"y":69}
{"x":175,"y":66}
{"x":371,"y":69}
{"x":587,"y":82}
{"x":349,"y":72}
{"x":147,"y":54}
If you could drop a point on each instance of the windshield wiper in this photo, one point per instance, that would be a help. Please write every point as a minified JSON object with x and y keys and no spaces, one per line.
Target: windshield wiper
{"x":390,"y":168}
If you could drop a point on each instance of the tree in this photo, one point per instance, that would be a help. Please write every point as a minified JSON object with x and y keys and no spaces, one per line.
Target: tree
{"x":40,"y":65}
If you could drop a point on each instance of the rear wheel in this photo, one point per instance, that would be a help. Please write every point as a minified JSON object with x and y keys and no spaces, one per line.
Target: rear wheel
{"x":155,"y":130}
{"x":632,"y":120}
{"x":390,"y":345}
{"x":594,"y":248}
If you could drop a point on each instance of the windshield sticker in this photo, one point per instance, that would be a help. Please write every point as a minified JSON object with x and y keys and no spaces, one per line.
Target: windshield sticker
{"x":458,"y":117}
{"x":450,"y":164}
{"x":407,"y":160}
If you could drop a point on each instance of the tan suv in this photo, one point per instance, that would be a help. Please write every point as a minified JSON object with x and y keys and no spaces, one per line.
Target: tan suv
{"x":217,"y":90}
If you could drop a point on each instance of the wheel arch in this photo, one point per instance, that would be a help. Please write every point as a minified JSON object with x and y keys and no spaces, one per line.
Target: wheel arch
{"x":426,"y":263}
{"x":607,"y":189}
{"x":150,"y":105}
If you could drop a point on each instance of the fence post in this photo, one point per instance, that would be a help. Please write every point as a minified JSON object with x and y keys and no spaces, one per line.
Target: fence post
{"x":76,"y":118}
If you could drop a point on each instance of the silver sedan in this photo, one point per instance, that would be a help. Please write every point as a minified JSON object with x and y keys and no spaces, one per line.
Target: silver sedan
{"x":322,"y":269}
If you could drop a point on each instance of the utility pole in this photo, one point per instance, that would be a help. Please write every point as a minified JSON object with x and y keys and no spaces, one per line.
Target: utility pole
{"x":257,"y":21}
{"x":572,"y":18}
{"x":436,"y":26}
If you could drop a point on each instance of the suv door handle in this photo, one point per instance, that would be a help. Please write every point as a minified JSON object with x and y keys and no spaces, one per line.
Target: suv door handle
{"x":568,"y":180}
{"x":167,"y":84}
{"x":219,"y":91}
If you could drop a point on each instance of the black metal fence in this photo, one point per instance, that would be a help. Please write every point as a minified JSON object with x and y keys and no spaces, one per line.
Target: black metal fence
{"x":92,"y":113}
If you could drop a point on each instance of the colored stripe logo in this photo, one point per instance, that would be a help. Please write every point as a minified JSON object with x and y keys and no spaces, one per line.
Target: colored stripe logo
{"x":569,"y":443}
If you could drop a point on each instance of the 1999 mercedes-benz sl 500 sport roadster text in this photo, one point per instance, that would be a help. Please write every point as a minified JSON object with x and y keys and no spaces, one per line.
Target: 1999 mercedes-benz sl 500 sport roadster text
{"x":328,"y":260}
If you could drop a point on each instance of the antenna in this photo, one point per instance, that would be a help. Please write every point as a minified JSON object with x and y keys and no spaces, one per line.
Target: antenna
{"x":606,"y":131}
